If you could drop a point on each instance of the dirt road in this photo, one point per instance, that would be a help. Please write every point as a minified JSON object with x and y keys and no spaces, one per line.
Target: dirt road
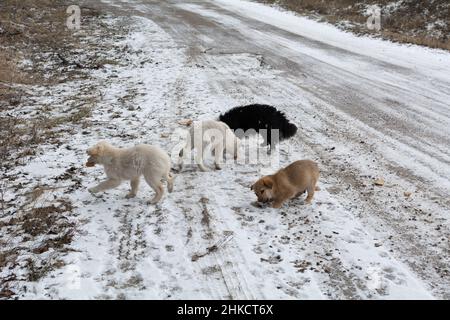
{"x":365,"y":109}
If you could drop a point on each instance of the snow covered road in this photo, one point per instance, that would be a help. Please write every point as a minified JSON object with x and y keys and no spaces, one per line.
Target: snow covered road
{"x":366,"y":109}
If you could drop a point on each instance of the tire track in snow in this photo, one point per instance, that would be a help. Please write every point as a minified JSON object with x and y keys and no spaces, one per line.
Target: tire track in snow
{"x":218,"y":270}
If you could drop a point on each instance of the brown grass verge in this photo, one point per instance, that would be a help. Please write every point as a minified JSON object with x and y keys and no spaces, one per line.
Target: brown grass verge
{"x":407,"y":24}
{"x":40,"y":230}
{"x":36,"y":31}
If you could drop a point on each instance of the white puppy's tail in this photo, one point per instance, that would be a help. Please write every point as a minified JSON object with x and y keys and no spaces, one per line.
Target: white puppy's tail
{"x":170,"y":178}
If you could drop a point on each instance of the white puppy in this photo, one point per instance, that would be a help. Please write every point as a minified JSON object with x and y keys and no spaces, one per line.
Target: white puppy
{"x":210,"y":133}
{"x":129,"y":164}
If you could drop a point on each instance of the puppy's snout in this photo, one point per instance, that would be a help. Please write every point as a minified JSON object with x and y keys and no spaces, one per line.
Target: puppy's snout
{"x":261,"y":198}
{"x":90,"y":162}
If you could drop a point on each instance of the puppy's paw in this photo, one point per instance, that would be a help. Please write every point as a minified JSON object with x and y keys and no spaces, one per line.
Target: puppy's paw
{"x":130,"y":195}
{"x":257,"y":204}
{"x":277,"y":205}
{"x":94,"y":193}
{"x":93,"y":190}
{"x":218,"y":167}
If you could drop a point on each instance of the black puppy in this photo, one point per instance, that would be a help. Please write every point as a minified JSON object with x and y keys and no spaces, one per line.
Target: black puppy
{"x":260,"y":117}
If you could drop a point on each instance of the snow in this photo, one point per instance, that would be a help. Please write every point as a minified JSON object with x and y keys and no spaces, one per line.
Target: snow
{"x":425,"y":60}
{"x":126,"y":249}
{"x":393,"y":6}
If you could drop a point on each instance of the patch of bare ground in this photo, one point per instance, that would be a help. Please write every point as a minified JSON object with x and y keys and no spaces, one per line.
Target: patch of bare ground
{"x":37,"y":49}
{"x":38,"y":55}
{"x":33,"y":240}
{"x":424,"y":23}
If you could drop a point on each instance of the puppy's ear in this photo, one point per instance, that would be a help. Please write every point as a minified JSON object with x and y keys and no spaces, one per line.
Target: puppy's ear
{"x":268,"y":182}
{"x":91,"y":151}
{"x":96,"y":150}
{"x":101,"y":148}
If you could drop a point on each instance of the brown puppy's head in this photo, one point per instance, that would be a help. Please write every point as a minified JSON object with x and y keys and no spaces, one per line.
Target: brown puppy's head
{"x":263,"y":189}
{"x":97,"y":154}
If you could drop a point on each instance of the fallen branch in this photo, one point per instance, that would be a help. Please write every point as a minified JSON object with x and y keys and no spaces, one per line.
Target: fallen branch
{"x":70,"y":63}
{"x":213,"y":248}
{"x":77,"y":64}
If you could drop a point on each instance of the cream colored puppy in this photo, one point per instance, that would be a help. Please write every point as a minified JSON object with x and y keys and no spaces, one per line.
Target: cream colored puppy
{"x":130,"y":164}
{"x":210,"y":133}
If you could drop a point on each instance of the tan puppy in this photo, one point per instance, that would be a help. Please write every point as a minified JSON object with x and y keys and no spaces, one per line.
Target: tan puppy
{"x":129,"y":164}
{"x":288,"y":183}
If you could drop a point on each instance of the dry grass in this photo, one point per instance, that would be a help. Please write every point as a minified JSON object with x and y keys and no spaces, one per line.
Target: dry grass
{"x":45,"y":220}
{"x":38,"y":270}
{"x":35,"y":31}
{"x":49,"y":224}
{"x":29,"y":28}
{"x":407,"y":24}
{"x":9,"y":72}
{"x":20,"y":136}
